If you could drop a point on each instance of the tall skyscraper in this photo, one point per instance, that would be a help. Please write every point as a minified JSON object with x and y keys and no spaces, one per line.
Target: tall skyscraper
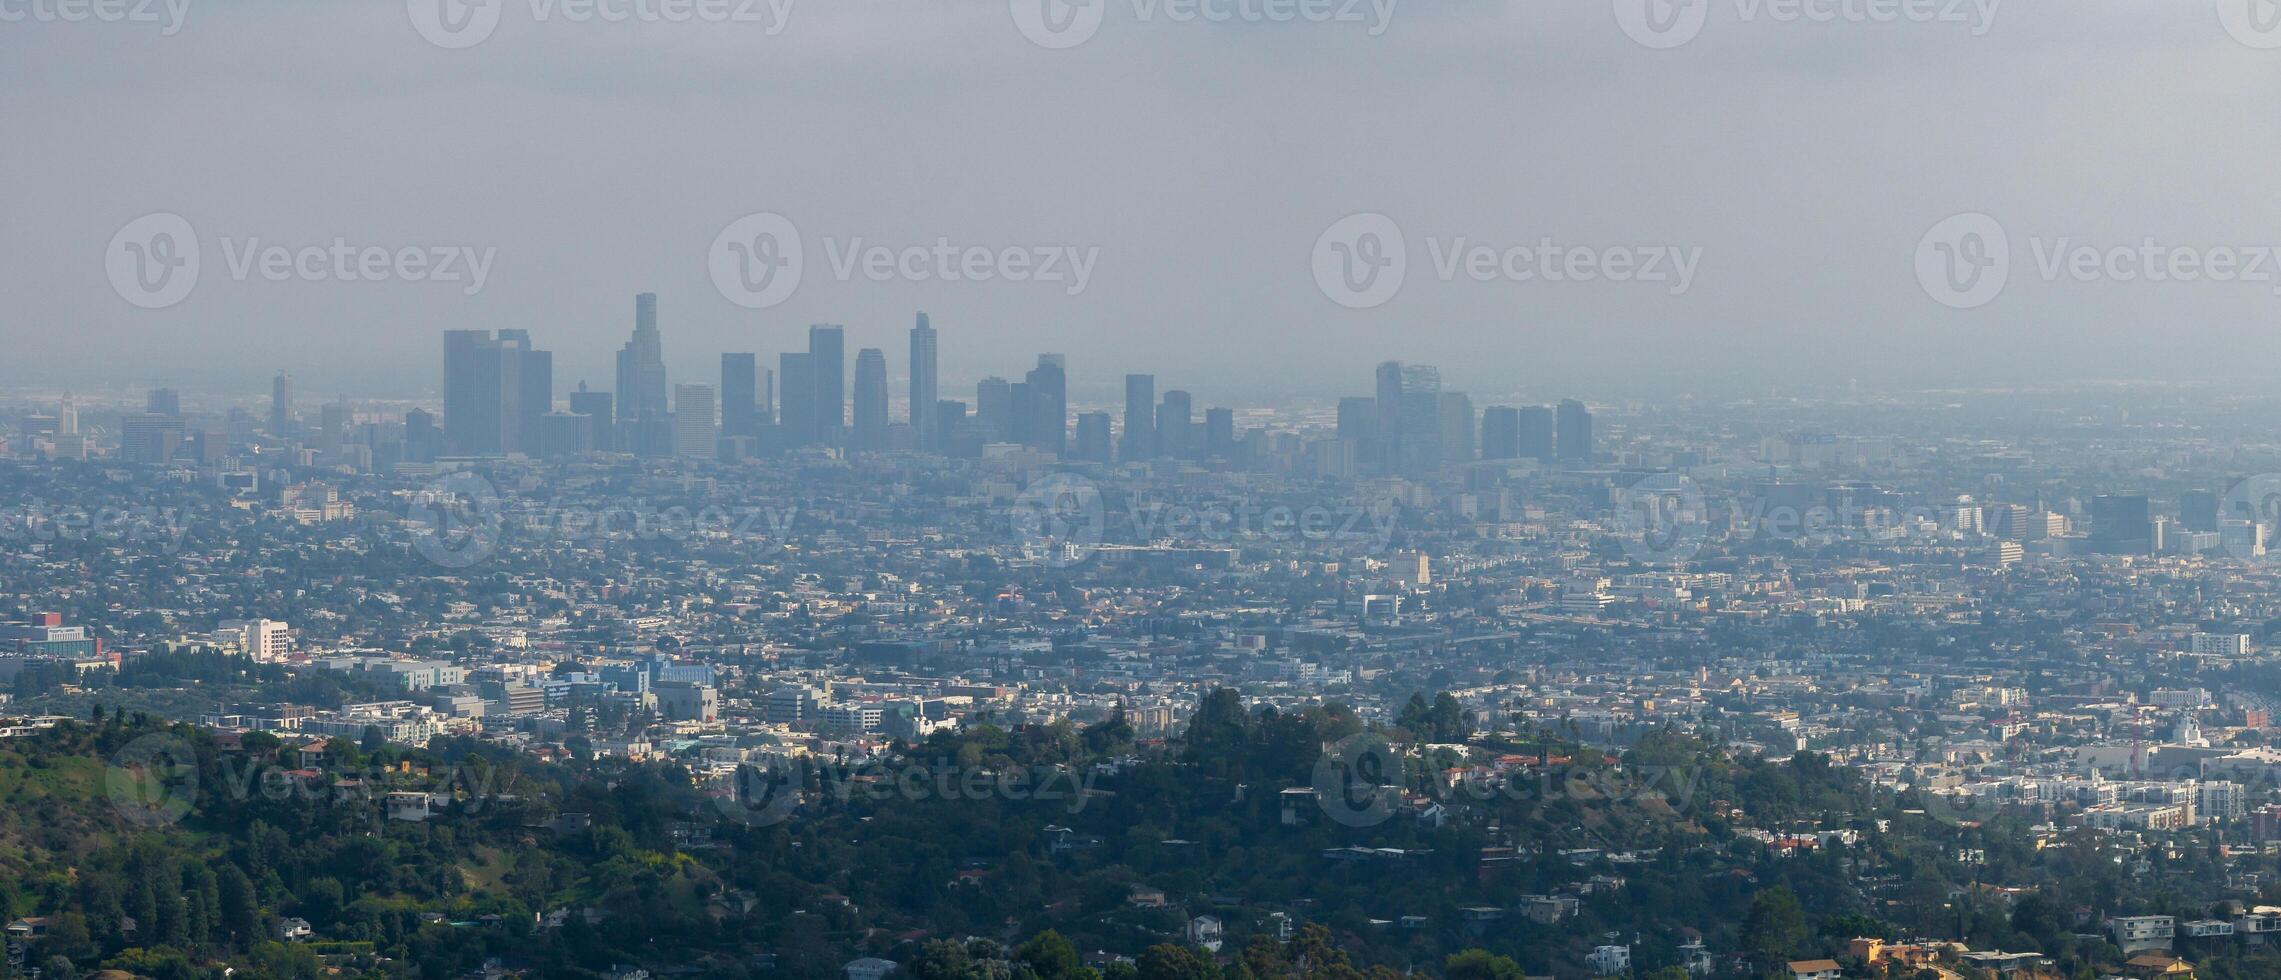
{"x":1049,"y":404}
{"x":642,"y":410}
{"x":1357,"y":421}
{"x":280,"y":404}
{"x":599,"y":405}
{"x":797,"y":418}
{"x":1457,"y":422}
{"x":2198,"y":510}
{"x":1175,"y":420}
{"x":827,"y":359}
{"x":163,"y":401}
{"x":1537,"y":438}
{"x":1500,"y":432}
{"x":1140,"y":416}
{"x":2121,"y":524}
{"x":923,"y":392}
{"x":1386,"y":447}
{"x":1418,"y":428}
{"x":870,"y":432}
{"x":994,"y":409}
{"x":740,"y":409}
{"x":1220,"y":433}
{"x":1575,"y":422}
{"x":1093,"y":437}
{"x":694,"y":416}
{"x":496,"y":389}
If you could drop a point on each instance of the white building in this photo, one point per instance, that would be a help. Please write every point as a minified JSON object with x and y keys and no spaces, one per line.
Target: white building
{"x":1610,"y":960}
{"x":265,"y":640}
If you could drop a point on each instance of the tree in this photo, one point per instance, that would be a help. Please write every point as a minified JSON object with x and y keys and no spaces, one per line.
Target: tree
{"x":1480,"y":964}
{"x":1166,"y":961}
{"x":1049,"y":956}
{"x":1774,"y":926}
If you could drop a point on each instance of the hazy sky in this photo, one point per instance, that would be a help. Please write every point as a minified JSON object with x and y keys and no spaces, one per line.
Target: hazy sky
{"x":1801,"y":156}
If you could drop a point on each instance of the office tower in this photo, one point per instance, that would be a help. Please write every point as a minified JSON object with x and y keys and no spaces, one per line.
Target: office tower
{"x":870,"y":432}
{"x":641,"y":389}
{"x":1386,"y":444}
{"x":2121,"y":524}
{"x":1174,"y":437}
{"x":602,"y":431}
{"x":565,"y":434}
{"x":1575,"y":424}
{"x":798,"y":416}
{"x":1048,"y":386}
{"x":1093,"y":436}
{"x":951,"y":426}
{"x":332,"y":426}
{"x":1358,"y":422}
{"x":1538,"y":439}
{"x":827,"y":360}
{"x":163,"y":401}
{"x":1418,"y":428}
{"x":923,"y":393}
{"x":694,"y":414}
{"x":2198,"y":510}
{"x":994,"y":409}
{"x":740,"y":381}
{"x":1500,"y":433}
{"x":280,"y":404}
{"x":1220,"y":433}
{"x":1019,"y":413}
{"x":534,"y":391}
{"x":1456,"y":427}
{"x":1140,"y":416}
{"x":495,"y":388}
{"x":149,"y":437}
{"x":423,"y":442}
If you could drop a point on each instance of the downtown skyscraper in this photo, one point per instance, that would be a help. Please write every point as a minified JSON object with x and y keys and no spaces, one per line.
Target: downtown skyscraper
{"x":925,"y":424}
{"x":827,"y":361}
{"x":496,"y":391}
{"x":1140,"y":417}
{"x":641,"y":405}
{"x":870,"y":432}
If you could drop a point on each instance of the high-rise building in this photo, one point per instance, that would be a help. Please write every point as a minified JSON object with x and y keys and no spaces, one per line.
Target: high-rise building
{"x":495,"y":388}
{"x":1175,"y":419}
{"x":924,"y":395}
{"x":740,"y":383}
{"x":641,"y":383}
{"x":1140,"y":416}
{"x":163,"y":401}
{"x":1220,"y":433}
{"x":598,"y":405}
{"x":1358,"y":422}
{"x":827,"y":359}
{"x":1386,"y":446}
{"x":1457,"y":432}
{"x":1418,"y":430}
{"x":1500,"y":432}
{"x":797,"y":418}
{"x":149,"y":437}
{"x":280,"y":404}
{"x":870,"y":432}
{"x":423,"y":442}
{"x":694,"y":415}
{"x":1575,"y":425}
{"x":2198,"y":510}
{"x":2121,"y":524}
{"x":1049,"y":404}
{"x":1093,"y":437}
{"x":994,"y":409}
{"x":1538,"y":439}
